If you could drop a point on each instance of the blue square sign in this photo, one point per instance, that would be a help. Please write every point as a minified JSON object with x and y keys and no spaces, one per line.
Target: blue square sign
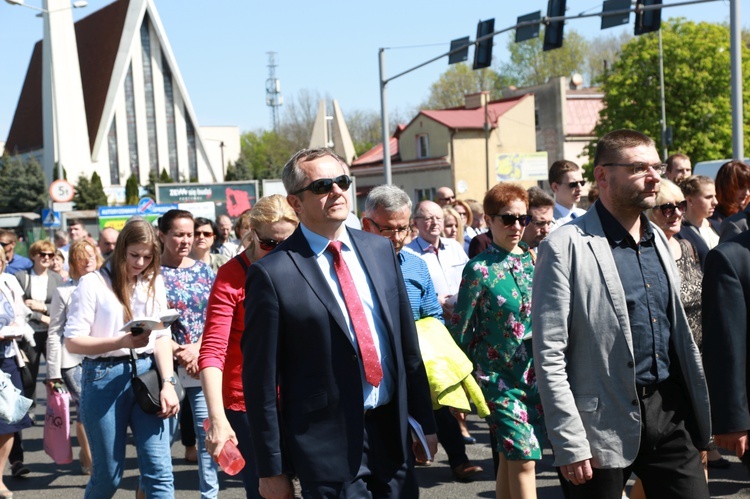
{"x":50,"y":219}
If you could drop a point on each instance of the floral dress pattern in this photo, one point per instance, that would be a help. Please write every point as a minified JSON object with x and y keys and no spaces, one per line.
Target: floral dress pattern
{"x":187,"y":291}
{"x":492,"y":324}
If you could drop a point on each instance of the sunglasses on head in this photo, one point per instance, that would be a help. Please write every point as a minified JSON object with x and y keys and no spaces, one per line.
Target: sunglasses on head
{"x":573,"y":185}
{"x":268,"y":244}
{"x":325,"y":185}
{"x":667,"y":209}
{"x":509,"y":219}
{"x":204,"y":233}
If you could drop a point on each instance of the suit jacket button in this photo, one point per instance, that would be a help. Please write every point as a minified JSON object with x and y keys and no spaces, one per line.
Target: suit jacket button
{"x":354,"y":357}
{"x":631,"y":364}
{"x":634,"y":402}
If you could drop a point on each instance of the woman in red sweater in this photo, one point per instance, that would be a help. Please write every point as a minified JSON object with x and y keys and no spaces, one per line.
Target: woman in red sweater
{"x":272,"y":220}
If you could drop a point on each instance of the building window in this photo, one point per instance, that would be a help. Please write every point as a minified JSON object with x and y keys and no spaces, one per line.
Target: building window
{"x":192,"y":151}
{"x":132,"y":130}
{"x":423,"y":146}
{"x":148,"y":87}
{"x":171,"y":126}
{"x":114,"y":163}
{"x":427,"y":194}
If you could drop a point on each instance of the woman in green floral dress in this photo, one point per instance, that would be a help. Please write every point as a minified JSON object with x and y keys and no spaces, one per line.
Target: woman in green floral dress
{"x":492,"y":323}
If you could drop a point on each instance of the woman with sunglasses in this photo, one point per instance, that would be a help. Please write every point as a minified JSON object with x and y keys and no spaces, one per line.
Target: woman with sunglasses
{"x":492,"y":323}
{"x":700,"y":195}
{"x":188,"y":283}
{"x":203,"y":242}
{"x":63,"y":366}
{"x":271,"y":220}
{"x":127,"y":286}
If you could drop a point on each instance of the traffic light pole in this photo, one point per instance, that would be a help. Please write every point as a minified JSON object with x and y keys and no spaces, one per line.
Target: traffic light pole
{"x":736,"y":70}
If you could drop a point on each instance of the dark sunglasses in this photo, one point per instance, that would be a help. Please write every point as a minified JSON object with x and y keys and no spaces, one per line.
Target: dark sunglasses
{"x":268,"y":244}
{"x":204,"y":233}
{"x":573,"y":185}
{"x":5,"y":244}
{"x":325,"y":185}
{"x":667,"y":209}
{"x":509,"y":219}
{"x":46,"y":255}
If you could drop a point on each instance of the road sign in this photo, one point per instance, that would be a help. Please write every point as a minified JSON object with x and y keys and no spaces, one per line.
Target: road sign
{"x":61,"y":191}
{"x":62,"y":206}
{"x":50,"y":219}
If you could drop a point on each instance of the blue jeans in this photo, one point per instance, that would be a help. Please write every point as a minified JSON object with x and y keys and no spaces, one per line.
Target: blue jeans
{"x":208,"y":470}
{"x":72,"y":378}
{"x":241,"y":426}
{"x":108,"y":408}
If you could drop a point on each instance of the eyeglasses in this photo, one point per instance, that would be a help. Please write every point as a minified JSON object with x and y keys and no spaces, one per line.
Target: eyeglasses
{"x":509,"y":219}
{"x":46,"y":255}
{"x":325,"y":185}
{"x":389,"y":232}
{"x":573,"y":185}
{"x":432,"y":219}
{"x":267,"y":244}
{"x":447,"y":198}
{"x":204,"y":233}
{"x":639,"y":168}
{"x":543,"y":223}
{"x":668,"y":209}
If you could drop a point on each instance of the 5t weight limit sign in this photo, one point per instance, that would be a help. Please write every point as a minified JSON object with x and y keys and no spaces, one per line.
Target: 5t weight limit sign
{"x":61,"y":191}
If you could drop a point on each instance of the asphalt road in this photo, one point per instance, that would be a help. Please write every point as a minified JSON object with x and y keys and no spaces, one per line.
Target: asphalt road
{"x":48,"y":480}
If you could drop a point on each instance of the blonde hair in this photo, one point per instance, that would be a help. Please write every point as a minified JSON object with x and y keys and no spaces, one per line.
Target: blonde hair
{"x":448,"y":211}
{"x":41,"y":246}
{"x":77,"y":258}
{"x":136,"y":231}
{"x":268,"y":210}
{"x":667,"y":188}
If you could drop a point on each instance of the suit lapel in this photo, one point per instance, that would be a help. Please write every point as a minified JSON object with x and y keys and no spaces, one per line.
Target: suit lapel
{"x":305,"y":261}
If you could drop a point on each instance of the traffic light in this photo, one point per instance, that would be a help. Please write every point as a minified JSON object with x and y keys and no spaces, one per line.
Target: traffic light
{"x":483,"y":50}
{"x":647,"y":21}
{"x":553,"y":33}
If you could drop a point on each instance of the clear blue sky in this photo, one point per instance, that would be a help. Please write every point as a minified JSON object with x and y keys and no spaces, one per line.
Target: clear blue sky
{"x":327,"y":46}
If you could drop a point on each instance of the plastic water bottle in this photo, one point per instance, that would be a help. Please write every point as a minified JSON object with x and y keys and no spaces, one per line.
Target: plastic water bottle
{"x":230,"y":459}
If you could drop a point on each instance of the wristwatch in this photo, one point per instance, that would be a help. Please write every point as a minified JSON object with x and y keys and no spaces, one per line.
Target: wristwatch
{"x":170,"y":379}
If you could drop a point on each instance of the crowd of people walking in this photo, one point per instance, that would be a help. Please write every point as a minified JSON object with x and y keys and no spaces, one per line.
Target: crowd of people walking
{"x":339,"y":353}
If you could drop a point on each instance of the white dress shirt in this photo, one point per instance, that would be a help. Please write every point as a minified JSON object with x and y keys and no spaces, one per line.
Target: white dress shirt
{"x":564,"y":215}
{"x":446,"y":266}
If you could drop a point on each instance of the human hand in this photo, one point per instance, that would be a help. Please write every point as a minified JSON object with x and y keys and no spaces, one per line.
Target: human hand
{"x":448,"y":302}
{"x":187,"y":354}
{"x":36,"y":306}
{"x":170,"y":404}
{"x":578,"y":473}
{"x":129,"y":340}
{"x":276,"y":487}
{"x":733,"y":442}
{"x":217,"y":435}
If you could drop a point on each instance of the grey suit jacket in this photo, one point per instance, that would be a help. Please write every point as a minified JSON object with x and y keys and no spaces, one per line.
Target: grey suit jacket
{"x":734,"y":225}
{"x":583,"y":348}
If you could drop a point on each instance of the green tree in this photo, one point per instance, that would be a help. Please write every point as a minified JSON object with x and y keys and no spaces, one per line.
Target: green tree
{"x":459,"y":80}
{"x":697,"y":89}
{"x":264,"y":153}
{"x":22,"y":185}
{"x":131,"y":190}
{"x":530,"y":65}
{"x":89,"y":195}
{"x":153,"y":179}
{"x":238,"y":170}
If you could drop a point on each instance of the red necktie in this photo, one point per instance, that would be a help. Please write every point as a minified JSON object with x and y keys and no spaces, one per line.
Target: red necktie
{"x":370,"y":360}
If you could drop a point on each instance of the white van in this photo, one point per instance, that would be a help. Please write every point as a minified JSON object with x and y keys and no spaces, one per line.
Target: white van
{"x":711,"y":168}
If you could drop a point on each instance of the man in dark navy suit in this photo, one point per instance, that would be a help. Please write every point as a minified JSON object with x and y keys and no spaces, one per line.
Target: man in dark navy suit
{"x":328,"y":322}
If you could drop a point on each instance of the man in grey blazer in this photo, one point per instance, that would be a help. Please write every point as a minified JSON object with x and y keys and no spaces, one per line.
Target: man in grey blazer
{"x":619,"y":373}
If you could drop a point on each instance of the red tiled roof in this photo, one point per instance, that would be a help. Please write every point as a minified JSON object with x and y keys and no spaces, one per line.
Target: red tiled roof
{"x":581,"y":115}
{"x":375,"y":155}
{"x":98,"y":38}
{"x":472,"y":118}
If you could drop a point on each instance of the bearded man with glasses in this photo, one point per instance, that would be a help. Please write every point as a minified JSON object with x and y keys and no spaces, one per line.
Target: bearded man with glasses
{"x":618,"y":371}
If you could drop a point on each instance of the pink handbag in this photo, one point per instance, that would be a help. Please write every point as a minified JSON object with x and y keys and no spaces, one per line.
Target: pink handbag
{"x":57,"y":426}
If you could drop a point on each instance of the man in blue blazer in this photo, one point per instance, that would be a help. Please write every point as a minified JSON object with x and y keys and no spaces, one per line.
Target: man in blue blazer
{"x":343,"y":431}
{"x":619,"y":374}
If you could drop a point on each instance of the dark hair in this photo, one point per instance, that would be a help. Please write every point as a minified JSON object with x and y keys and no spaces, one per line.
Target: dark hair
{"x":560,"y":168}
{"x":502,"y":195}
{"x":167,"y":220}
{"x":200,"y":221}
{"x":609,"y":147}
{"x":693,"y":184}
{"x":732,"y":177}
{"x":677,"y":156}
{"x":538,"y":198}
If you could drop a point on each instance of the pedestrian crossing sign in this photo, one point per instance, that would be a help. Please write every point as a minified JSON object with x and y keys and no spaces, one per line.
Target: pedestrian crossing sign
{"x":50,"y":219}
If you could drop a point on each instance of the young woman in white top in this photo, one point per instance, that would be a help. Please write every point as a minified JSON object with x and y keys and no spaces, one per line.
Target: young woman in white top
{"x":63,"y":366}
{"x":127,"y":287}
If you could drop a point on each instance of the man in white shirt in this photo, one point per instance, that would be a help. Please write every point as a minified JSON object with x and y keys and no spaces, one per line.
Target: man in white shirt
{"x":445,"y":257}
{"x":566,"y":181}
